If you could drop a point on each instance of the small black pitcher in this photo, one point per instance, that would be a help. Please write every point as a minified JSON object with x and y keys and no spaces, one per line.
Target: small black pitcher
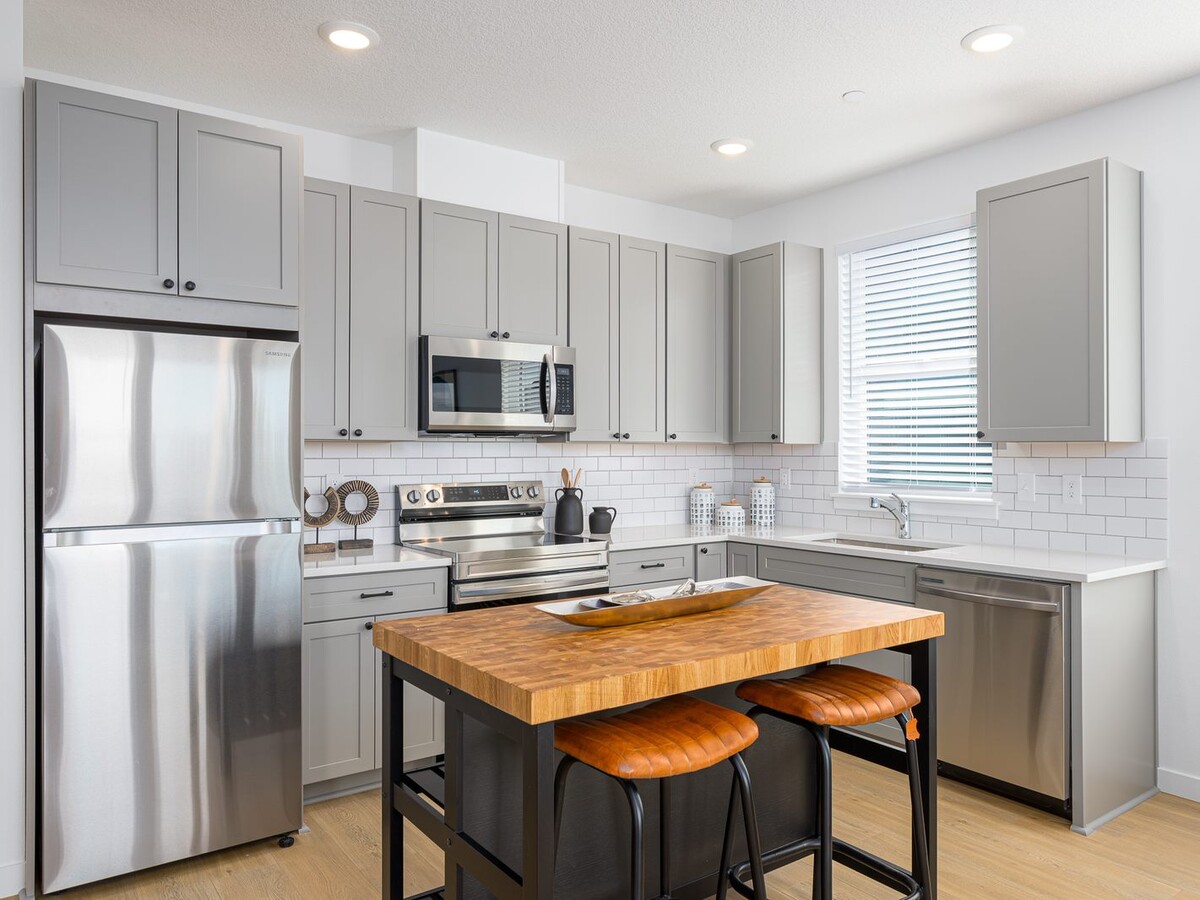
{"x":569,"y":517}
{"x":601,"y":519}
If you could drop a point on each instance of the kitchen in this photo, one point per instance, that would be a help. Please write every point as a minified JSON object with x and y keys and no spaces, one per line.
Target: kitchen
{"x":496,"y":231}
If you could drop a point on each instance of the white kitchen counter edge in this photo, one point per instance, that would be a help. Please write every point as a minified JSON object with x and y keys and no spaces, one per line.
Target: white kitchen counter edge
{"x":1025,"y":562}
{"x":381,"y":558}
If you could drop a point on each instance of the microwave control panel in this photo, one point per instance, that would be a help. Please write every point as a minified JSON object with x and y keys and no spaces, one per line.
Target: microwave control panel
{"x":564,"y":400}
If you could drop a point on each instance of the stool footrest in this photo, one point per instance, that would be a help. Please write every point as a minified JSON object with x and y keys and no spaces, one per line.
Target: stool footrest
{"x":862,"y":861}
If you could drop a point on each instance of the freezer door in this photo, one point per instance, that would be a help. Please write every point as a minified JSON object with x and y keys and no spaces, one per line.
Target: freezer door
{"x":151,"y":428}
{"x":171,"y":698}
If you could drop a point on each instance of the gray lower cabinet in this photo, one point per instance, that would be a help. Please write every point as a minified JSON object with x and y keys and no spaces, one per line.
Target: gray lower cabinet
{"x":697,"y":346}
{"x":424,"y":717}
{"x":533,"y":281}
{"x":642,"y":340}
{"x":742,"y":559}
{"x":1060,"y":306}
{"x":594,"y":295}
{"x":710,"y":561}
{"x":641,"y":568}
{"x":105,"y":191}
{"x":239,"y":211}
{"x":776,"y":343}
{"x":359,"y":315}
{"x":460,"y":247}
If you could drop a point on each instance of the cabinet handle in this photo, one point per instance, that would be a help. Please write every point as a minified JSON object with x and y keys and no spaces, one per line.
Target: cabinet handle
{"x":169,"y":283}
{"x":774,"y":437}
{"x":369,"y":626}
{"x":376,"y":594}
{"x":625,"y":436}
{"x":189,"y":285}
{"x":495,"y":334}
{"x":358,"y":432}
{"x":979,"y":434}
{"x":343,"y":432}
{"x":672,"y":436}
{"x":505,"y":335}
{"x":654,"y":565}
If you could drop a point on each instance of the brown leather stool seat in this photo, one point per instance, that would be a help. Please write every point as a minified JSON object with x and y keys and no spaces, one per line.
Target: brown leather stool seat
{"x":670,"y":737}
{"x":834,"y":695}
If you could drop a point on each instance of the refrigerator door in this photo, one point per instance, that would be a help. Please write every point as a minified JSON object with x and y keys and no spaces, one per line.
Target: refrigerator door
{"x":152,"y":428}
{"x":171,"y":696}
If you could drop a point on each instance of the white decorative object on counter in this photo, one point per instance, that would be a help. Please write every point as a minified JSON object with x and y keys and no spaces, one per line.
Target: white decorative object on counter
{"x":731,"y":515}
{"x":762,"y":503}
{"x":703,"y":505}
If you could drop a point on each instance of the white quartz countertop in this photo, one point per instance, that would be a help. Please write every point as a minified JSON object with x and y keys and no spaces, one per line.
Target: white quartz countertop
{"x":1026,"y":562}
{"x":380,"y":558}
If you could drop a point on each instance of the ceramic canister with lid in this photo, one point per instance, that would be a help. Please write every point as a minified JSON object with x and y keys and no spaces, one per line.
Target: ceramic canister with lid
{"x":703,"y":504}
{"x":731,"y":514}
{"x":762,"y":503}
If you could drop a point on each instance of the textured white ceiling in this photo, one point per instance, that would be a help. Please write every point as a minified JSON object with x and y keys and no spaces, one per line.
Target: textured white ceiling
{"x":630,"y":93}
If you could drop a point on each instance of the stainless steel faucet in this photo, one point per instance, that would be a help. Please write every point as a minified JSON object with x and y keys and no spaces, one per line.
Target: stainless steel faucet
{"x":899,"y":511}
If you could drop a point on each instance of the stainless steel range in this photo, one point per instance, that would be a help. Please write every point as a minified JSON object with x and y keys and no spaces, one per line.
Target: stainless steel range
{"x":495,"y":534}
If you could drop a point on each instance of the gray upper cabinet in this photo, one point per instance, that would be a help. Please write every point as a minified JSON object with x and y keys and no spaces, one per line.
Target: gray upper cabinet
{"x":1060,"y":306}
{"x":533,"y":281}
{"x":459,"y":271}
{"x":697,"y":346}
{"x":105,"y":191}
{"x":239,"y":211}
{"x":360,"y":313}
{"x":642,"y":334}
{"x":595,"y":316}
{"x":777,"y":344}
{"x":325,"y":310}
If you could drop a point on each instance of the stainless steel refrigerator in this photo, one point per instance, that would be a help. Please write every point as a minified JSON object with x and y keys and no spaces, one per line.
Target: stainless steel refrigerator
{"x":170,"y":597}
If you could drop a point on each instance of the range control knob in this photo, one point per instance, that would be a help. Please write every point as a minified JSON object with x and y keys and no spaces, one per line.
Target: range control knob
{"x":534,"y":490}
{"x":433,"y":496}
{"x":414,"y":496}
{"x":515,"y":493}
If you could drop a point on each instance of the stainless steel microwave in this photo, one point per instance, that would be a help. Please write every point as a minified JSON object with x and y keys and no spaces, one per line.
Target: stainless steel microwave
{"x":496,"y":387}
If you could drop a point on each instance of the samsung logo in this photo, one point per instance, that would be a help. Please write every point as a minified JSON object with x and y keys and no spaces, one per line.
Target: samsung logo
{"x":282,"y":353}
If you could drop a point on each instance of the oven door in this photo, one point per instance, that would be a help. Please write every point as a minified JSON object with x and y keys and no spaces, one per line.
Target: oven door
{"x":470,"y":386}
{"x":540,"y":589}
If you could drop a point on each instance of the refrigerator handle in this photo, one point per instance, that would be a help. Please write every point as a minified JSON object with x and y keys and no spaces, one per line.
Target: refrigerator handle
{"x":144,"y":534}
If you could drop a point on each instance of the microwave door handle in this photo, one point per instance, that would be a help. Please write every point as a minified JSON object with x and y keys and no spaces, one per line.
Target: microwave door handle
{"x":551,"y":380}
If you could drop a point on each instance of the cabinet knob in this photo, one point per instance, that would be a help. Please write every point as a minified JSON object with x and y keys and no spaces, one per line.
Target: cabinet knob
{"x":495,"y":334}
{"x":358,"y":432}
{"x":625,"y":436}
{"x":505,"y":335}
{"x":704,"y":550}
{"x":672,"y":436}
{"x":189,"y":285}
{"x":343,"y":432}
{"x":369,"y":626}
{"x":617,"y":435}
{"x":979,"y":434}
{"x":774,"y":437}
{"x":169,"y":283}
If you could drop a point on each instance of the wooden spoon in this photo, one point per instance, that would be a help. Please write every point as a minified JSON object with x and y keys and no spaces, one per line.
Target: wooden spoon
{"x":578,"y":478}
{"x":566,"y":478}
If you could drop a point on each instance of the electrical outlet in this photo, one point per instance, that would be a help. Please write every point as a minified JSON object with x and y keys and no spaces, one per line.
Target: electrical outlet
{"x":335,"y":481}
{"x":1026,"y":488}
{"x":693,"y":476}
{"x":1072,"y":493}
{"x":785,"y":478}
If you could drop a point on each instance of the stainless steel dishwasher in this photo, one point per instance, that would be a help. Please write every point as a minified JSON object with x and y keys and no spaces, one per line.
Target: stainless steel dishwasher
{"x":1003,"y":715}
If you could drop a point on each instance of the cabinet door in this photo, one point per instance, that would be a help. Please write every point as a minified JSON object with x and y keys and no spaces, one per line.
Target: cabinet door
{"x":697,"y":346}
{"x":643,"y":340}
{"x":1041,"y":288}
{"x":325,"y":310}
{"x":595,"y":315}
{"x":106,"y":191}
{"x":383,"y":315}
{"x":239,"y":211}
{"x":339,"y":675}
{"x":742,"y":559}
{"x":459,"y":285}
{"x":710,"y":561}
{"x":424,"y":717}
{"x":757,"y":375}
{"x":533,"y":281}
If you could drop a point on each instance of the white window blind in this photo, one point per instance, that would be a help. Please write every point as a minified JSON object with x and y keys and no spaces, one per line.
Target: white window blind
{"x":908,"y":411}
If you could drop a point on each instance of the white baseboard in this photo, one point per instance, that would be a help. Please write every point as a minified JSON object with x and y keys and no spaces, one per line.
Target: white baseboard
{"x":12,"y":879}
{"x":1179,"y":783}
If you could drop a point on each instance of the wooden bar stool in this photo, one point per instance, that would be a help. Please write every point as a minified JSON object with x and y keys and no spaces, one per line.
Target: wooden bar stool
{"x":830,"y":696}
{"x":666,"y":738}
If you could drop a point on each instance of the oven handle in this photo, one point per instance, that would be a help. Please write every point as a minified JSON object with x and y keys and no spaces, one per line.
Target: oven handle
{"x":509,"y":588}
{"x":552,"y":382}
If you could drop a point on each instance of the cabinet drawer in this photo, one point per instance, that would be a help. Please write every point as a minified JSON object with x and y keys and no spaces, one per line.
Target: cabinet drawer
{"x":374,"y":594}
{"x":630,"y":567}
{"x":843,"y":574}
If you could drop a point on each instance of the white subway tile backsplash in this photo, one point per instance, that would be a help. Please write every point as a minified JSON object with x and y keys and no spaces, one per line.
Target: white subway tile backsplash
{"x":1106,"y":466}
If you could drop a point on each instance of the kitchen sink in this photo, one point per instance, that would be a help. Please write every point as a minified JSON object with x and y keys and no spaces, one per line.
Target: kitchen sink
{"x":878,"y":543}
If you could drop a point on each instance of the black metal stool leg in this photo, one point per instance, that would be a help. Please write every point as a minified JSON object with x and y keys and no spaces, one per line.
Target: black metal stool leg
{"x":752,"y":841}
{"x":823,"y":865}
{"x":727,"y":845}
{"x":664,"y":836}
{"x":918,"y":816}
{"x":560,"y":783}
{"x":637,"y":882}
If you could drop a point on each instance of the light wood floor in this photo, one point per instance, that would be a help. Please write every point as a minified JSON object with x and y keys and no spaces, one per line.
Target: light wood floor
{"x":990,"y":848}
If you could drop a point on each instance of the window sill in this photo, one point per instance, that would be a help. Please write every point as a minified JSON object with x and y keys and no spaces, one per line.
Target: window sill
{"x":980,"y":506}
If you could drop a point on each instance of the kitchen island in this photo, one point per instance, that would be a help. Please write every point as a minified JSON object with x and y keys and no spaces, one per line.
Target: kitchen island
{"x":506,"y":675}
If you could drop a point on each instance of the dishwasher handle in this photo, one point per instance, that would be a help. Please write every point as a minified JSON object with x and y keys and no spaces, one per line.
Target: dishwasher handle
{"x":1050,"y":606}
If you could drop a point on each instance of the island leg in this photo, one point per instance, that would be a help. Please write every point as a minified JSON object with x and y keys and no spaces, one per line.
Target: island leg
{"x":924,"y":677}
{"x":393,"y":769}
{"x":537,"y":813}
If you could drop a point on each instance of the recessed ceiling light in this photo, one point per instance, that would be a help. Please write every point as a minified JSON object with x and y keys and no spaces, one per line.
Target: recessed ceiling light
{"x":991,"y":38}
{"x":349,"y":35}
{"x":854,"y":96}
{"x":732,"y":146}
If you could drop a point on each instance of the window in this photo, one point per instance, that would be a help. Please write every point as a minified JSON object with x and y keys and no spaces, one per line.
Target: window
{"x":908,"y":410}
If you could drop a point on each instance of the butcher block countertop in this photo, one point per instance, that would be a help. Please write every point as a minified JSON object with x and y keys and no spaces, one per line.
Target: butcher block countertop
{"x":539,"y":669}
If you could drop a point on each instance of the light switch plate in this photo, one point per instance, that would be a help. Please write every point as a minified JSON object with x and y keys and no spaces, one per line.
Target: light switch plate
{"x":693,"y":476}
{"x":1026,"y":488}
{"x":1072,"y":493}
{"x":785,"y":478}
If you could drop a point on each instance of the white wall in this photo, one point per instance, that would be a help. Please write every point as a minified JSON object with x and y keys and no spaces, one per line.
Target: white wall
{"x":12,"y":458}
{"x":641,"y":218}
{"x":1159,"y":133}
